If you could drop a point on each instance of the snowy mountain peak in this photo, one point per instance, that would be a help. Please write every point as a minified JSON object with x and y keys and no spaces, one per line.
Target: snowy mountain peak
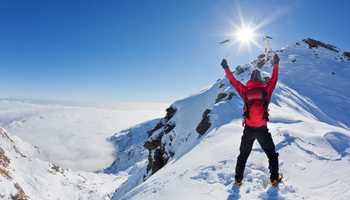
{"x":196,"y":143}
{"x":316,"y":44}
{"x":198,"y":111}
{"x":191,"y":152}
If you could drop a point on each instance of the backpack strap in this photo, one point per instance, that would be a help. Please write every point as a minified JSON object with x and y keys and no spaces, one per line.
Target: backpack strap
{"x":265,"y":105}
{"x":246,"y":107}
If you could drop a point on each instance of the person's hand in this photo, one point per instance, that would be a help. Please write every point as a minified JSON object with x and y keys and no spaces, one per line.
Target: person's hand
{"x":224,"y":63}
{"x":275,"y":59}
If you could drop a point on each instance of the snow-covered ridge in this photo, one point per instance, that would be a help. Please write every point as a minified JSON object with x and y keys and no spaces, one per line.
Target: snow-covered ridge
{"x":191,"y":152}
{"x":312,"y":84}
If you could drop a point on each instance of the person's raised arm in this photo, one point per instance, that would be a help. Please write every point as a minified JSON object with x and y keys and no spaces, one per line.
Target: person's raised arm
{"x":271,"y":84}
{"x":235,"y":83}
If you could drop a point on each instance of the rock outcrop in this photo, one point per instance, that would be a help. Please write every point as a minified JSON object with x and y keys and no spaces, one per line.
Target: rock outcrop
{"x":346,"y":55}
{"x":158,"y":156}
{"x":205,"y":124}
{"x":315,"y":44}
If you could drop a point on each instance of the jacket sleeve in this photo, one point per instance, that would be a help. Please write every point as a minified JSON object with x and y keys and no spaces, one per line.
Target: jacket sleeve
{"x":235,"y":83}
{"x":273,"y":81}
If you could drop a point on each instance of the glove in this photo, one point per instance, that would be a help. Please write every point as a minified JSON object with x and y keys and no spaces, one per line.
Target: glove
{"x":224,"y":63}
{"x":275,"y":59}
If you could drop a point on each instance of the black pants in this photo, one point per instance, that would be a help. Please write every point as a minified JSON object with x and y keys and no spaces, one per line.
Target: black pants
{"x":265,"y":140}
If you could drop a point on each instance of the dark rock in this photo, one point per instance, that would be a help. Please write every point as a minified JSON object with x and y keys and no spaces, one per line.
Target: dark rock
{"x":221,"y":85}
{"x":56,"y":168}
{"x":152,"y":144}
{"x":261,"y":63}
{"x":4,"y":161}
{"x":346,"y":55}
{"x":261,"y":56}
{"x":224,"y":97}
{"x":230,"y":95}
{"x":157,"y":161}
{"x":21,"y":195}
{"x":205,"y":124}
{"x":5,"y":173}
{"x":220,"y":97}
{"x":315,"y":44}
{"x":157,"y":127}
{"x":239,"y":70}
{"x":157,"y":156}
{"x":168,"y":128}
{"x":170,"y":112}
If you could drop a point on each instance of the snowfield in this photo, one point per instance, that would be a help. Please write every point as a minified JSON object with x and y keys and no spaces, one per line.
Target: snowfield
{"x":24,"y":176}
{"x":312,"y":159}
{"x":191,"y":152}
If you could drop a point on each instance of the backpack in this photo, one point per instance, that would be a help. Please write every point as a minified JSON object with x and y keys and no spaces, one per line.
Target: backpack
{"x":253,"y":96}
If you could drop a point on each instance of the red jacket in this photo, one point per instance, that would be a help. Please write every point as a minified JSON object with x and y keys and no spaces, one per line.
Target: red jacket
{"x":256,"y":111}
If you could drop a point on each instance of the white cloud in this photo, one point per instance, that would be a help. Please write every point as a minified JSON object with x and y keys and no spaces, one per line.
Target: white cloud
{"x":72,"y":136}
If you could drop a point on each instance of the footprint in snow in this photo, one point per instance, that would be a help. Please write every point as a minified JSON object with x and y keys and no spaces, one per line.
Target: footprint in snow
{"x":256,"y":182}
{"x":221,"y":173}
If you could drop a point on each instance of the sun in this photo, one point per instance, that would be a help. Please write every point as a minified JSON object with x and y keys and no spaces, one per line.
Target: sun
{"x":245,"y":34}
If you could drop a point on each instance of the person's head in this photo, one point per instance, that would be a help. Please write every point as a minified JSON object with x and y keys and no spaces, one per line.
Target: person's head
{"x":256,"y":76}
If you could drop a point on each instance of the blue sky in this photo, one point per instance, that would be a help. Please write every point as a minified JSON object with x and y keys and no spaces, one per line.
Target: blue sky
{"x":142,"y":50}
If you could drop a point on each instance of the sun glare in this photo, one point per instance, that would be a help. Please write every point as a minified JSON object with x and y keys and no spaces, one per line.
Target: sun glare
{"x":245,"y":34}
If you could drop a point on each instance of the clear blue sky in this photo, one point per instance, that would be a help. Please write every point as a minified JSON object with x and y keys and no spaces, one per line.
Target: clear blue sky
{"x":142,"y":50}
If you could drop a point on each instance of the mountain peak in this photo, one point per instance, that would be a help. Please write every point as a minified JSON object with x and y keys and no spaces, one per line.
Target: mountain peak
{"x":316,"y":44}
{"x":206,"y":128}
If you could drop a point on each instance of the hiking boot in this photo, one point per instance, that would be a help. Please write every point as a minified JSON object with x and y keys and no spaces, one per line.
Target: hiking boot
{"x":276,"y":181}
{"x":238,"y":181}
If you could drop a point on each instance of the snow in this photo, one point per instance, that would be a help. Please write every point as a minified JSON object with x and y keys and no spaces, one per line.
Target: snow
{"x":35,"y":179}
{"x":64,"y":132}
{"x":308,"y":122}
{"x":307,"y":161}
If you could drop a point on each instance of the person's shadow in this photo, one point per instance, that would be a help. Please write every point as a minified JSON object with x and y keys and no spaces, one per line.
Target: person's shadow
{"x":234,"y":193}
{"x":273,"y":194}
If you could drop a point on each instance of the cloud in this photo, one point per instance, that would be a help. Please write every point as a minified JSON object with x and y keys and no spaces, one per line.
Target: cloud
{"x":72,"y":136}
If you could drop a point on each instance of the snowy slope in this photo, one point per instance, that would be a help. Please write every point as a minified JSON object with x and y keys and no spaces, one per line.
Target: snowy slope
{"x":308,"y":122}
{"x":314,"y":158}
{"x":23,"y":176}
{"x":322,"y":77}
{"x":191,"y":152}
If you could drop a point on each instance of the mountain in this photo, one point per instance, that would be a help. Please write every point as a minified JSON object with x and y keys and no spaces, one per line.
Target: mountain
{"x":191,"y":152}
{"x":23,"y":176}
